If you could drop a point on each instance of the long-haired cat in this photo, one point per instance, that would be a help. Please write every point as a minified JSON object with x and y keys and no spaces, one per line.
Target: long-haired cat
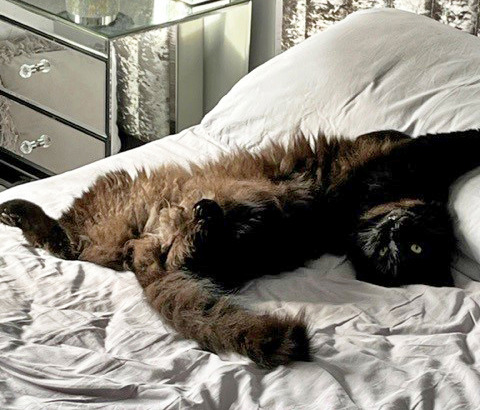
{"x":190,"y":234}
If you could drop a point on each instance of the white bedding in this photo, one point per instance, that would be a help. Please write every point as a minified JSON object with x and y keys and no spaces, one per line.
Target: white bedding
{"x":75,"y":335}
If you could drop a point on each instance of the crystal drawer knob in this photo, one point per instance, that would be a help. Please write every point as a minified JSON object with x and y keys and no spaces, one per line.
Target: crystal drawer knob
{"x":26,"y":147}
{"x":27,"y":70}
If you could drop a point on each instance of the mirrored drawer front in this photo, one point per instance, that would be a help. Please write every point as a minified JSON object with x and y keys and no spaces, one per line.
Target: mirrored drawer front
{"x":61,"y":80}
{"x":44,"y":140}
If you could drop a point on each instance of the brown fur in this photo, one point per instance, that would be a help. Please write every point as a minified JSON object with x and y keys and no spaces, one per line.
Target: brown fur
{"x":148,"y":224}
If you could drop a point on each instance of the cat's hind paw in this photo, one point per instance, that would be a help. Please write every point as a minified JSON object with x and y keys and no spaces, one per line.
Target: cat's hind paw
{"x":8,"y":219}
{"x":280,"y":341}
{"x":11,"y":213}
{"x":38,"y":228}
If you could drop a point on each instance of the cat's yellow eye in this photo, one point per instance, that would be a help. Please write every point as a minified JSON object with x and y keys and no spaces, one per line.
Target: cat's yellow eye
{"x":383,"y":251}
{"x":416,"y":248}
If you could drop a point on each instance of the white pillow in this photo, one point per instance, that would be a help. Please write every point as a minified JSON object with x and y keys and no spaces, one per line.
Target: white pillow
{"x":377,"y":69}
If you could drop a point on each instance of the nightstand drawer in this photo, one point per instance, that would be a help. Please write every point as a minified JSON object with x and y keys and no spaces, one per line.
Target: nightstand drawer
{"x":59,"y":79}
{"x":45,"y":141}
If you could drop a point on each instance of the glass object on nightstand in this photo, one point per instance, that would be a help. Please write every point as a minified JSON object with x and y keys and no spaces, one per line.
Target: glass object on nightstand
{"x":92,"y":12}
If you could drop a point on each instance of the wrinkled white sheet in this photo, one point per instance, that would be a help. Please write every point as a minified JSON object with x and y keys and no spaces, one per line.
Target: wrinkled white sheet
{"x":75,"y":335}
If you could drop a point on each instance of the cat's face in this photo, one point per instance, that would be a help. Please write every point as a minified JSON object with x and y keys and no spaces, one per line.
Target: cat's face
{"x":404,"y":243}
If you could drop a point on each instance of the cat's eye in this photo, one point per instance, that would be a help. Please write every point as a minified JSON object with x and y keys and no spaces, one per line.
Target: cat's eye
{"x":416,"y":248}
{"x":383,"y":251}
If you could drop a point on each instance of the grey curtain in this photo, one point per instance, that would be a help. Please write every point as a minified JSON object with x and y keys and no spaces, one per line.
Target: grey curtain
{"x":146,"y":83}
{"x":303,"y":18}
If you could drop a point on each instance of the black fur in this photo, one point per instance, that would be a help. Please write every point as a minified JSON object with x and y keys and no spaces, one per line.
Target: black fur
{"x":417,"y":173}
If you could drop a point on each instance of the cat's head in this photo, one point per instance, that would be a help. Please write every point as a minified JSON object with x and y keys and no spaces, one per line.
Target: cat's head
{"x":404,"y":242}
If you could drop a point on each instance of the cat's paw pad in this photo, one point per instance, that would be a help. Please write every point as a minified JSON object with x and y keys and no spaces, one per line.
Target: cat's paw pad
{"x":9,"y":217}
{"x":208,"y":210}
{"x":284,"y":340}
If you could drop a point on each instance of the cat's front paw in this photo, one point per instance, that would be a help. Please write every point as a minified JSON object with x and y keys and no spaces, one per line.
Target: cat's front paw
{"x":207,"y":210}
{"x":209,"y":220}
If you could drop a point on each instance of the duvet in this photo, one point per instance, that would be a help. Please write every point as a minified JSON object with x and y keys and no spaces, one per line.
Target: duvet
{"x":76,"y":335}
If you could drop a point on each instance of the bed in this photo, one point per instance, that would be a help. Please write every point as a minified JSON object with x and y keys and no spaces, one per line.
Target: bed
{"x":76,"y":335}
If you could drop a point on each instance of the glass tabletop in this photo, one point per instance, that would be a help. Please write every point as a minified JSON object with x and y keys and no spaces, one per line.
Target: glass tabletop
{"x":113,"y":18}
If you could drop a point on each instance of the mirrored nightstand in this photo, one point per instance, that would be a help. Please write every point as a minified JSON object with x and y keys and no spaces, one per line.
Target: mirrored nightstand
{"x":67,"y":89}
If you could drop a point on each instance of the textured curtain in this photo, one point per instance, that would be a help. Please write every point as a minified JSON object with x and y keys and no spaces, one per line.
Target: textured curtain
{"x":146,"y":83}
{"x":146,"y":72}
{"x":303,"y":18}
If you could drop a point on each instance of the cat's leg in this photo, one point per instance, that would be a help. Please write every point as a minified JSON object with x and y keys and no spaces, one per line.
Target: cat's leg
{"x":145,"y":255}
{"x":198,"y":310}
{"x":38,"y":228}
{"x":191,"y":244}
